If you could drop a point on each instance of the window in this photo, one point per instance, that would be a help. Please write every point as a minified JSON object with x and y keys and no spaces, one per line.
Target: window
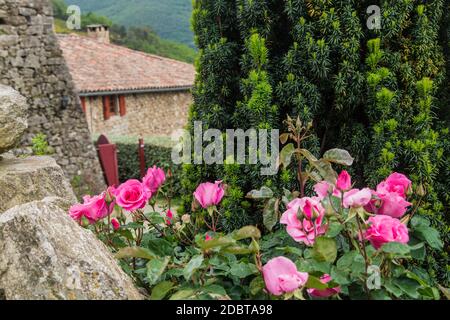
{"x":110,"y":106}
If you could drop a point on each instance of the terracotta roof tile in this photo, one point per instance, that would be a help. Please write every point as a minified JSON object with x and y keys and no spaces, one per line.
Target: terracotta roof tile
{"x":98,"y":67}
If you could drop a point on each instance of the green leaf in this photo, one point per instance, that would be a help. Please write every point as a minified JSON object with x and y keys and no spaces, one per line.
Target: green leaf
{"x":246,"y":232}
{"x":392,"y":288}
{"x":418,"y":251}
{"x":161,"y":290}
{"x":408,"y":286}
{"x":396,"y":248}
{"x":192,"y":266}
{"x":430,"y":235}
{"x":243,"y":270}
{"x":286,"y":155}
{"x":339,"y":276}
{"x":334,"y":229}
{"x":184,"y":294}
{"x":135,"y":252}
{"x":238,"y":250}
{"x":263,"y":193}
{"x":346,"y":261}
{"x":339,"y":156}
{"x":270,"y":214}
{"x":325,"y":249}
{"x":315,"y":283}
{"x":160,"y":246}
{"x":215,"y":291}
{"x":216,"y":242}
{"x":257,"y":285}
{"x":155,"y":269}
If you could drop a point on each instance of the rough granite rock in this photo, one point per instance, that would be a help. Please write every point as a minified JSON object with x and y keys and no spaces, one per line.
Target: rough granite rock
{"x":29,"y":179}
{"x":44,"y":254}
{"x":13,"y":118}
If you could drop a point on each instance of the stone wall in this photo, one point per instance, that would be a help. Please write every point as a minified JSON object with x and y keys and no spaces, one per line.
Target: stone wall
{"x":147,"y":114}
{"x":31,"y":62}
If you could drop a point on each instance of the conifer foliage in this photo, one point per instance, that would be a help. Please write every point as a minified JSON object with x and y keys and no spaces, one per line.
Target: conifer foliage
{"x":376,"y":93}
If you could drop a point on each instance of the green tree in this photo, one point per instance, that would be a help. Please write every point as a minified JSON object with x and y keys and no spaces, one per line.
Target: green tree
{"x":376,"y":93}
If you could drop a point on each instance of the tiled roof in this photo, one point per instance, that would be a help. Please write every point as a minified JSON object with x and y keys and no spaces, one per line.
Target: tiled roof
{"x":101,"y":67}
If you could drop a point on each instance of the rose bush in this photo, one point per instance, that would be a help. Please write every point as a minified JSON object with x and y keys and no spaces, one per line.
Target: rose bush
{"x":336,"y":242}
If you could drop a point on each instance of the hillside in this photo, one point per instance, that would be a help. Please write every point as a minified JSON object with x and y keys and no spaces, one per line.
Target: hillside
{"x":170,"y":19}
{"x":137,"y":38}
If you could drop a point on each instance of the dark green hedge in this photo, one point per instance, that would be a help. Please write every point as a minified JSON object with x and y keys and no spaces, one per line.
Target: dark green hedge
{"x":128,"y":159}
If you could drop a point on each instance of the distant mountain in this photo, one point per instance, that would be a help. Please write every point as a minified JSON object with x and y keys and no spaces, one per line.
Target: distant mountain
{"x":170,"y":19}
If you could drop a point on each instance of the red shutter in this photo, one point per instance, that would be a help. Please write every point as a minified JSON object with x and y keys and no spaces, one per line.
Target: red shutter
{"x":83,"y":104}
{"x":122,"y":106}
{"x":106,"y":107}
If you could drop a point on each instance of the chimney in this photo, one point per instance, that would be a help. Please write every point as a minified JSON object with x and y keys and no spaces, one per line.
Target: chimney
{"x":98,"y":32}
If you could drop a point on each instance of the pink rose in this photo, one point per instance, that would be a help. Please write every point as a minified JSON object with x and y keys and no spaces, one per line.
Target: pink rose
{"x":115,"y":223}
{"x":99,"y":207}
{"x":385,"y":229}
{"x":344,"y":181}
{"x":132,"y":195}
{"x":356,"y":198}
{"x":154,"y":179}
{"x":281,"y":276}
{"x":209,"y":194}
{"x":323,"y":188}
{"x":392,"y":204}
{"x":79,"y":211}
{"x":397,"y":183}
{"x":304,"y":230}
{"x":208,"y":237}
{"x":94,"y":209}
{"x":326,"y":292}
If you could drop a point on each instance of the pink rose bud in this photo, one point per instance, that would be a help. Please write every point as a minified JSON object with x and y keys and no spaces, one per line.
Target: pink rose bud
{"x":281,"y":276}
{"x":356,"y":198}
{"x":209,"y":194}
{"x":169,"y":217}
{"x":132,"y":195}
{"x":385,"y":229}
{"x":326,"y":292}
{"x":154,"y":179}
{"x":344,"y":181}
{"x":115,"y":223}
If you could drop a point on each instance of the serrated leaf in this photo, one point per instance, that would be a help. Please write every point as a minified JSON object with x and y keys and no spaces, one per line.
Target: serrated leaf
{"x":430,"y":235}
{"x":155,"y":269}
{"x":270,"y":214}
{"x":315,"y":283}
{"x":243,"y":270}
{"x":161,"y":290}
{"x":194,"y":264}
{"x":284,"y":138}
{"x":263,"y":193}
{"x":247,"y":232}
{"x":396,"y":248}
{"x":183,"y":294}
{"x":286,"y":154}
{"x":339,"y":156}
{"x":325,"y":249}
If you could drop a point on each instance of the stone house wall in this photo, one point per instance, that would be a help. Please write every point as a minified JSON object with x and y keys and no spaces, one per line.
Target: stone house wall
{"x":147,"y":114}
{"x":32,"y":63}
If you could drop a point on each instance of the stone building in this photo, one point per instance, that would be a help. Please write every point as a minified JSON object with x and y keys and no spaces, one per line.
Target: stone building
{"x":125,"y":92}
{"x":32,"y":63}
